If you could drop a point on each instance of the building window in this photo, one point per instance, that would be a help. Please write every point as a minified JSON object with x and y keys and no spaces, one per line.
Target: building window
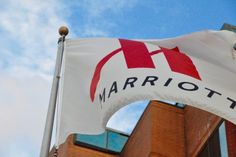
{"x":223,"y":142}
{"x":216,"y":146}
{"x":110,"y":141}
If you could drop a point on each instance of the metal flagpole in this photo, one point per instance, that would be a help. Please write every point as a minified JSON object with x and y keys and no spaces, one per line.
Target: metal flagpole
{"x":45,"y":147}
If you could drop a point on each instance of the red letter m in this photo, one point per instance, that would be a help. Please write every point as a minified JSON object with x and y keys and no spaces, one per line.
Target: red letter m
{"x":137,"y":56}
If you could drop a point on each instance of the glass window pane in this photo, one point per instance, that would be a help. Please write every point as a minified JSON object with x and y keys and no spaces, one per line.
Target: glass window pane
{"x":108,"y":141}
{"x":95,"y":140}
{"x":116,"y":141}
{"x":223,"y":143}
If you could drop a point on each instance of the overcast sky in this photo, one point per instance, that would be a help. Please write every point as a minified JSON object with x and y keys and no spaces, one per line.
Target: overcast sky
{"x":28,"y":30}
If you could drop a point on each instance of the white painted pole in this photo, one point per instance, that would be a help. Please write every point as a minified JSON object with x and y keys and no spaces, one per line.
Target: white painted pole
{"x":46,"y":142}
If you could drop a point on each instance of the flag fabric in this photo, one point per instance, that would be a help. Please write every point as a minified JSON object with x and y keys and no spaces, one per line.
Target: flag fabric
{"x":101,"y":75}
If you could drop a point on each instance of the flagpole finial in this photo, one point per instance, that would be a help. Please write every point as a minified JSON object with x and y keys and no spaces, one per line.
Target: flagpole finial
{"x":63,"y":30}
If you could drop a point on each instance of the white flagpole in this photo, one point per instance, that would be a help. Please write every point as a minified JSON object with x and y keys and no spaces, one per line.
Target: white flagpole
{"x":46,"y":142}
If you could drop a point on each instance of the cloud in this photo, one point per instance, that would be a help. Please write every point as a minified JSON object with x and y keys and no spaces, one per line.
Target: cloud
{"x":28,"y":50}
{"x":98,"y":18}
{"x":23,"y":104}
{"x":94,"y":32}
{"x":100,"y":7}
{"x":30,"y":28}
{"x":127,"y":117}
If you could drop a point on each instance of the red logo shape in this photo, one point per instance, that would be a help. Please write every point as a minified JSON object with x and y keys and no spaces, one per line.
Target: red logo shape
{"x":137,"y":56}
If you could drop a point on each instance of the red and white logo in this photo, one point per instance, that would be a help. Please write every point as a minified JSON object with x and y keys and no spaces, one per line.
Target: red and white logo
{"x":137,"y":55}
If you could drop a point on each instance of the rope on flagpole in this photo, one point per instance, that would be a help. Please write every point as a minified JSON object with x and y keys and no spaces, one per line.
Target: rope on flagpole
{"x":46,"y":142}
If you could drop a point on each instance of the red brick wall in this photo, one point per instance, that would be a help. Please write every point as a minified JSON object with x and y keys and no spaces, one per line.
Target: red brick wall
{"x":159,"y":133}
{"x":231,"y":138}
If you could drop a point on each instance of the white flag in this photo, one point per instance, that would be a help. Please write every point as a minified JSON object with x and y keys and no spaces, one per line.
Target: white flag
{"x":102,"y":75}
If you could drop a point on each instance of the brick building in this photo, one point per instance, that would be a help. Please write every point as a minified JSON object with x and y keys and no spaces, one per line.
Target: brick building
{"x":164,"y":130}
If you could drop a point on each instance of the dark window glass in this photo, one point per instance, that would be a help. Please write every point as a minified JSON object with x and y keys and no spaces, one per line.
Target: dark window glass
{"x":223,"y":142}
{"x":109,"y":141}
{"x":216,"y":146}
{"x":212,"y":147}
